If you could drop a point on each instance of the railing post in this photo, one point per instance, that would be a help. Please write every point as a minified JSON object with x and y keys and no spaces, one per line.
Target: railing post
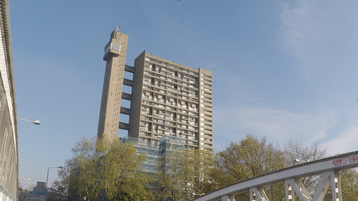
{"x":336,"y":186}
{"x":290,"y":194}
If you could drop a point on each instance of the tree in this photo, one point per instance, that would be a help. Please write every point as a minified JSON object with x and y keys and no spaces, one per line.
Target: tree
{"x":105,"y":170}
{"x":183,"y":174}
{"x":349,"y":185}
{"x":249,"y":158}
{"x":294,"y":150}
{"x":57,"y":192}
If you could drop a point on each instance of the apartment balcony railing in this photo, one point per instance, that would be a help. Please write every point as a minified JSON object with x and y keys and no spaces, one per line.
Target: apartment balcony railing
{"x":144,"y":128}
{"x":145,"y":118}
{"x":147,"y":103}
{"x":171,"y":94}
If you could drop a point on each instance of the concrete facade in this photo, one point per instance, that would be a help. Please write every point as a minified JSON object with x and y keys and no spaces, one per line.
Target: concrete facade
{"x":115,"y":57}
{"x":8,"y":119}
{"x":167,"y":99}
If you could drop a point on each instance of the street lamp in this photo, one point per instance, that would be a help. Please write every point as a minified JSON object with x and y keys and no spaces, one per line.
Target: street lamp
{"x":299,"y":161}
{"x":27,"y":179}
{"x":198,"y":194}
{"x":36,"y":122}
{"x":48,"y":172}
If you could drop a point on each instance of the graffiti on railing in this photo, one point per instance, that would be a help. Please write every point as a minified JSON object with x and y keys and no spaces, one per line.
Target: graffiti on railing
{"x":345,"y":160}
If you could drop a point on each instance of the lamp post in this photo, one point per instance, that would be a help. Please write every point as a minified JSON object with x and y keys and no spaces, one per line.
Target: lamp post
{"x":36,"y":122}
{"x":27,"y":179}
{"x":48,"y":170}
{"x":300,"y":161}
{"x":200,"y":194}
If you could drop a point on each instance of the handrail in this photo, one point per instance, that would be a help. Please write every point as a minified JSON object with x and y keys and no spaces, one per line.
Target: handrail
{"x":338,"y":162}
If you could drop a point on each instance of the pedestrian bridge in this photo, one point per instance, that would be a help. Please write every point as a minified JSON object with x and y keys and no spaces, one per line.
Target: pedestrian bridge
{"x":328,"y":168}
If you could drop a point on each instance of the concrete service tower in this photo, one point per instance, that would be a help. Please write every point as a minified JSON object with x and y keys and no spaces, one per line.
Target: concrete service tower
{"x":115,"y":57}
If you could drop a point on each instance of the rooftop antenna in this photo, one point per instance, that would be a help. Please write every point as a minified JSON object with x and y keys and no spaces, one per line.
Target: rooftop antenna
{"x":119,"y":27}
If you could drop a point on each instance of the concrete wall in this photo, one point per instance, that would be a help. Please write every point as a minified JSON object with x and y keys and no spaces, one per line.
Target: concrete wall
{"x":112,"y":85}
{"x":137,"y":95}
{"x":8,"y":119}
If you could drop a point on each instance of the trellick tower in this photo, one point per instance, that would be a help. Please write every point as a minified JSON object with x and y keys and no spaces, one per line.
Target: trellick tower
{"x":115,"y":57}
{"x":167,"y":99}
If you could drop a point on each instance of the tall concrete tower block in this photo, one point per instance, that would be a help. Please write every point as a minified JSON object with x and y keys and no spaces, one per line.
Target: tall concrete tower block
{"x":170,"y":99}
{"x":167,"y":99}
{"x":115,"y":57}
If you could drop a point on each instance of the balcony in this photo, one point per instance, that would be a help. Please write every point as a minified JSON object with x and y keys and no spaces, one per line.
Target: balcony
{"x":148,"y":88}
{"x":160,"y":91}
{"x":143,"y":112}
{"x":171,"y":94}
{"x":160,"y":106}
{"x":143,"y":128}
{"x":147,"y":97}
{"x":145,"y":118}
{"x":184,"y":106}
{"x":147,"y":103}
{"x":144,"y":134}
{"x":181,"y":136}
{"x":208,"y":131}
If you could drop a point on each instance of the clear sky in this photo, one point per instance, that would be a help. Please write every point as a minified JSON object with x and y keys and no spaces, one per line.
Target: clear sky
{"x":282,"y":69}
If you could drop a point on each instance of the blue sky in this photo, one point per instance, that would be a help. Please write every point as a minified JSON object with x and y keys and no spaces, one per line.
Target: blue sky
{"x":282,"y":69}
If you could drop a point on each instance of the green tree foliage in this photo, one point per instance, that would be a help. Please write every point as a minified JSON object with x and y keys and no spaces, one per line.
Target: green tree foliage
{"x":106,"y":170}
{"x":349,"y":184}
{"x":249,"y":158}
{"x":183,"y":175}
